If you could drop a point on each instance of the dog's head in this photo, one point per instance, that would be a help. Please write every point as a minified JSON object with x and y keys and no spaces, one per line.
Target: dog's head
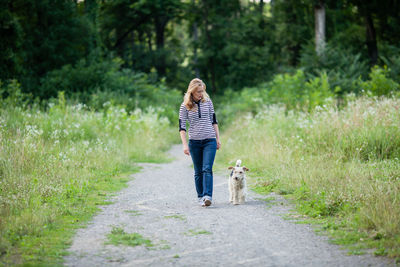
{"x":238,"y":172}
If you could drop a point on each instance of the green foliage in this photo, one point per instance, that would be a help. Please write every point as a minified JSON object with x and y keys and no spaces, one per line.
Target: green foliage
{"x":9,"y":47}
{"x":315,"y":205}
{"x":390,"y":56}
{"x":292,"y":90}
{"x":297,"y":93}
{"x":130,"y":27}
{"x":103,"y":83}
{"x":342,"y":67}
{"x":317,"y":91}
{"x":44,"y":35}
{"x":379,"y":83}
{"x":288,"y":89}
{"x":84,"y":77}
{"x":11,"y":94}
{"x":229,"y":44}
{"x":246,"y":59}
{"x":294,"y":26}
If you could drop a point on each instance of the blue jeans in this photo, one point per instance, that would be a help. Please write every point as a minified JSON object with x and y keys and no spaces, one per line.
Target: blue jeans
{"x":203,"y":155}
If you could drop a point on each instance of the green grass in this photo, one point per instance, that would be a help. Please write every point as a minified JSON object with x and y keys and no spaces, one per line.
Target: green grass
{"x":119,"y":237}
{"x":194,"y":232}
{"x":176,"y":216}
{"x":58,"y":166}
{"x":133,"y":212}
{"x":339,"y":165}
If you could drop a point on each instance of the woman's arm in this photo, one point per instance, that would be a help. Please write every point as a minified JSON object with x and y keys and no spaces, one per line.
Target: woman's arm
{"x":214,"y":123}
{"x":184,"y":142}
{"x":217,"y":135}
{"x":183,"y":116}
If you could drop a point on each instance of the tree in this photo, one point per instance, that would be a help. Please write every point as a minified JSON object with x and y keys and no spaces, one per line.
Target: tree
{"x":294,"y":23}
{"x":42,"y":35}
{"x":123,"y":21}
{"x":11,"y":40}
{"x":319,"y":11}
{"x":377,"y":13}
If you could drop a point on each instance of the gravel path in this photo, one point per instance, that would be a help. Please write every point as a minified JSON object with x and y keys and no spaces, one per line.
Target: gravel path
{"x":160,"y":204}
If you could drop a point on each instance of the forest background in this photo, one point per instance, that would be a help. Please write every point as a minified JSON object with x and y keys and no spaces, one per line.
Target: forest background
{"x":90,"y":87}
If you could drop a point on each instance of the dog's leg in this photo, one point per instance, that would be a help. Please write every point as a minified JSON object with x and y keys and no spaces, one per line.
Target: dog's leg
{"x":230,"y":191}
{"x":243,"y":191}
{"x":242,"y":196}
{"x":235,"y":196}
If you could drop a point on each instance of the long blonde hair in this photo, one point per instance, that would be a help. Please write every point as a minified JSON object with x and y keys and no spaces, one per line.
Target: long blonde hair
{"x":188,"y":98}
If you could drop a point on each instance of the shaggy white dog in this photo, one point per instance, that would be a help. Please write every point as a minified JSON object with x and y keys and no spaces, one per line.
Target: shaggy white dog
{"x":237,"y":183}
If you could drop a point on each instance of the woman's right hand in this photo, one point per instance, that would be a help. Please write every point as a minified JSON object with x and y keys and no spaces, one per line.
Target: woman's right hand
{"x":186,"y":150}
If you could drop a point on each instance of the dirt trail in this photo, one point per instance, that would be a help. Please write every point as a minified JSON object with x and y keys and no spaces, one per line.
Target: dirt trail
{"x":160,"y":204}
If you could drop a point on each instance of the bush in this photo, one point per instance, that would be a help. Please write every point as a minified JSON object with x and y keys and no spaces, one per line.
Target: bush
{"x":389,"y":55}
{"x":104,"y":82}
{"x":379,"y":83}
{"x":11,"y":94}
{"x":83,"y":77}
{"x":294,"y":91}
{"x":342,"y":67}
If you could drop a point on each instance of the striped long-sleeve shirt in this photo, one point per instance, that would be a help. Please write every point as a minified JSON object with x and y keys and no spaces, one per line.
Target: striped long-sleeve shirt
{"x":201,"y":120}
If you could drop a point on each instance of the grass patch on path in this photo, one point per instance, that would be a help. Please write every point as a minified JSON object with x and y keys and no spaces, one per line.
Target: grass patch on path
{"x":119,"y":237}
{"x":194,"y":232}
{"x":133,"y":212}
{"x":176,"y":216}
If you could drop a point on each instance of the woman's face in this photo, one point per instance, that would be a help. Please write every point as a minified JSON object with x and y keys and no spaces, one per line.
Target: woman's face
{"x":198,"y":93}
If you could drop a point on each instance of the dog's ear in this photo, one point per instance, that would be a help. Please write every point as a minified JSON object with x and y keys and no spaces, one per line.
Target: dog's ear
{"x":244,"y":168}
{"x":230,"y":168}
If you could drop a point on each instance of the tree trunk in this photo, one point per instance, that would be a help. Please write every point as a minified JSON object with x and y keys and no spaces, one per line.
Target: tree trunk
{"x":121,"y":47}
{"x":149,"y":44}
{"x":133,"y":46}
{"x":160,"y":25}
{"x":371,"y":40}
{"x":319,"y":11}
{"x":262,"y":22}
{"x":261,"y":7}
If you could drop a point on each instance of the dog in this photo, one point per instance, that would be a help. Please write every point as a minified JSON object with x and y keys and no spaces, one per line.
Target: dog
{"x":237,"y":184}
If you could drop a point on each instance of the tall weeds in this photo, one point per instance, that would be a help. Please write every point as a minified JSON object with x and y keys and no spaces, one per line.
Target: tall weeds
{"x":336,"y":163}
{"x":51,"y":162}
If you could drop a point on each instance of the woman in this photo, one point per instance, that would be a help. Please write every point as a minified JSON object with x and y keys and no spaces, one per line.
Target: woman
{"x":197,"y":108}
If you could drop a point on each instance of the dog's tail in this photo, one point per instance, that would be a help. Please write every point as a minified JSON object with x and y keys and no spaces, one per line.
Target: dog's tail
{"x":238,"y":163}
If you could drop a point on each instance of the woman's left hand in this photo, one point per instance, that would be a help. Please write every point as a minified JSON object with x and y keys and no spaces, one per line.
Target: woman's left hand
{"x":218,"y":144}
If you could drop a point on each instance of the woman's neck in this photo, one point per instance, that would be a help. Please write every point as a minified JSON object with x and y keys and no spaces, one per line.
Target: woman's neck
{"x":196,"y":100}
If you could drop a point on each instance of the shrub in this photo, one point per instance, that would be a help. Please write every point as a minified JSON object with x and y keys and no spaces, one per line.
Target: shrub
{"x":379,"y":83}
{"x":292,"y":90}
{"x":342,"y":66}
{"x":97,"y":83}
